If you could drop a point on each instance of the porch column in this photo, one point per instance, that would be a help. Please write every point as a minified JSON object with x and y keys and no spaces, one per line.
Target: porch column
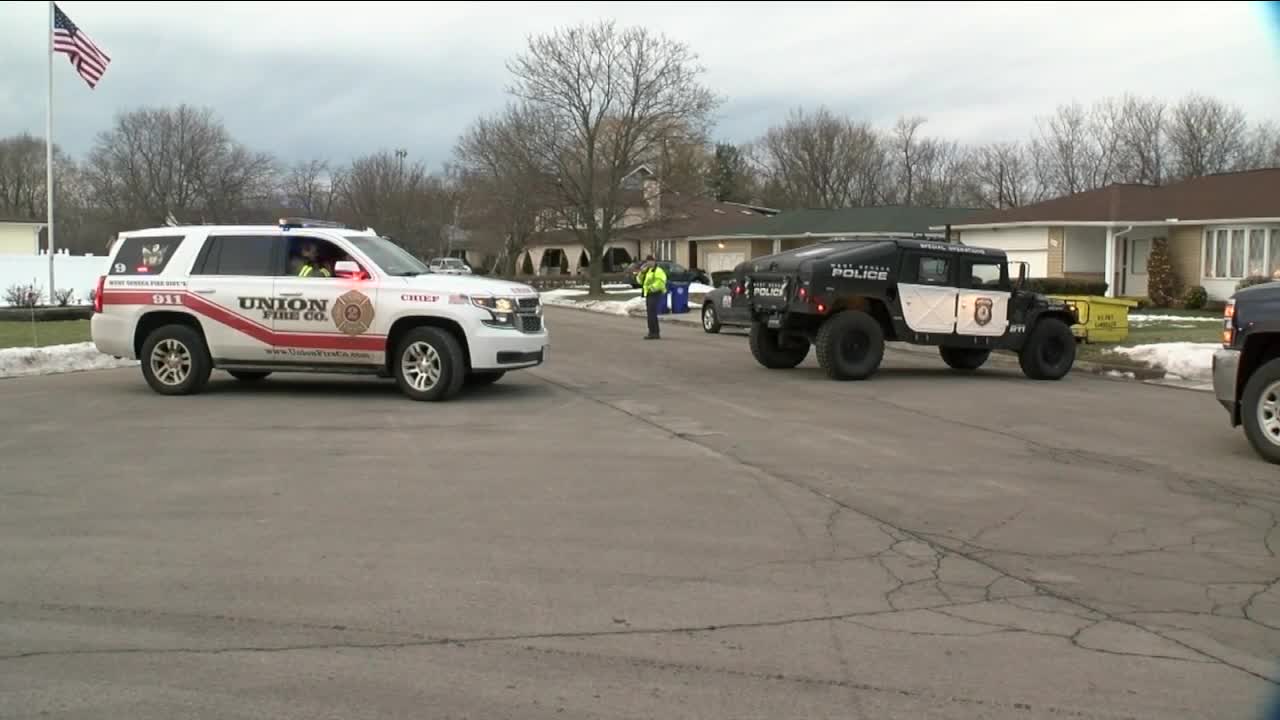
{"x":1109,"y":262}
{"x":777,"y":245}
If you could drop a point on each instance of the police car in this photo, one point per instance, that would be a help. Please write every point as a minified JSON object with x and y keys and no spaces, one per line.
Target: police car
{"x":188,"y":300}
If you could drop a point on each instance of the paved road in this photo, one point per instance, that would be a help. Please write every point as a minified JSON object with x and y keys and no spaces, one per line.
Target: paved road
{"x":638,"y":530}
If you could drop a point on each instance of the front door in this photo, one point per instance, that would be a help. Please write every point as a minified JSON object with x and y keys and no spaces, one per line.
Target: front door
{"x":983,"y":307}
{"x":928,"y":293}
{"x":323,"y":319}
{"x":232,"y":282}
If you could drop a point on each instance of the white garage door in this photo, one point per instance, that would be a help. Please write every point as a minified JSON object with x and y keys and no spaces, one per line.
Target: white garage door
{"x":723,"y":261}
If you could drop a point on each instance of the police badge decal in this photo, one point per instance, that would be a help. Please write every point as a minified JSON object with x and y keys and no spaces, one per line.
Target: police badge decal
{"x":982,"y":311}
{"x":353,"y":313}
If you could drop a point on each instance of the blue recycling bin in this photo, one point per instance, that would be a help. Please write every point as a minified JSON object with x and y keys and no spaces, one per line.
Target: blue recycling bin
{"x":679,"y":292}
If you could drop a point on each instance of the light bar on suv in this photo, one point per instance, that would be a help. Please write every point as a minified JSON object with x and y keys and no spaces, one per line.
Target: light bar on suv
{"x":290,"y":223}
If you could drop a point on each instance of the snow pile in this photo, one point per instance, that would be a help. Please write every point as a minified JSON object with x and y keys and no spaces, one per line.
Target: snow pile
{"x":700,"y":288}
{"x":1118,"y":374}
{"x":1140,"y":319}
{"x":1184,"y":359}
{"x":17,"y":362}
{"x":564,"y":293}
{"x":609,"y":307}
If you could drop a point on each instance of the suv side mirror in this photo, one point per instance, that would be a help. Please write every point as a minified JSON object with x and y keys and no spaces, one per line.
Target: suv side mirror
{"x":349,"y":269}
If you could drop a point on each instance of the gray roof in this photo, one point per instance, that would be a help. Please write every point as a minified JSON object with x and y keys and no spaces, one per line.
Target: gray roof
{"x":839,"y":221}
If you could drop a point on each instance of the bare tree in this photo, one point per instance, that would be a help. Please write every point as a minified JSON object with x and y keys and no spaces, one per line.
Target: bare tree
{"x":603,"y":100}
{"x":942,"y":170}
{"x":1001,"y":176}
{"x":1263,"y":149}
{"x":1206,"y":136}
{"x":313,"y":188}
{"x":1142,"y":139}
{"x":157,"y":161}
{"x":399,"y":199}
{"x":1077,"y":149}
{"x":910,"y":152}
{"x":824,"y":160}
{"x":506,"y":186}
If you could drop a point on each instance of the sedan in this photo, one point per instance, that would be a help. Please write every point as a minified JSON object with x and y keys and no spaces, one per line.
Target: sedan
{"x":726,"y":306}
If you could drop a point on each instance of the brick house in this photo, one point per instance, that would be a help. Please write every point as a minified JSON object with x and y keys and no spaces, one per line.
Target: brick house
{"x":1221,"y":229}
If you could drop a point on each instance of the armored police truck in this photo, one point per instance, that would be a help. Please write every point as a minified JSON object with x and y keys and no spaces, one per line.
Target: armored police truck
{"x":846,"y":297}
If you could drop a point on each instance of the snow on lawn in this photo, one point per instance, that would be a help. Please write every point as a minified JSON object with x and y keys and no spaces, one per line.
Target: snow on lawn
{"x":1183,"y":359}
{"x":16,"y":362}
{"x":699,"y":288}
{"x":1140,"y":319}
{"x":610,"y":307}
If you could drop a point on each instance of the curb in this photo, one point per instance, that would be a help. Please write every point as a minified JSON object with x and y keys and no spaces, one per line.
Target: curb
{"x":1140,"y":374}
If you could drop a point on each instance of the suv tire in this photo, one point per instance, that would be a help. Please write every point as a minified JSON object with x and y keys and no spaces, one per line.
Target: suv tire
{"x":175,"y":360}
{"x":850,"y":345}
{"x":429,"y":365}
{"x":1260,"y":410}
{"x":1049,"y":352}
{"x":480,"y":378}
{"x":710,"y":321}
{"x":964,"y":358}
{"x":248,"y":376}
{"x":767,"y":350}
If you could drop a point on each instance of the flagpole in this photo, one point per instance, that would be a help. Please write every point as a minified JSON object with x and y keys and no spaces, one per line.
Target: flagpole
{"x":48,"y":140}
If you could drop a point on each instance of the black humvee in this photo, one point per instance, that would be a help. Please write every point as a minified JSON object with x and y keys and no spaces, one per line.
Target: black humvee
{"x":847,"y":297}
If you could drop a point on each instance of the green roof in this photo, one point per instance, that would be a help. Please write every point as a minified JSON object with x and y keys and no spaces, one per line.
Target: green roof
{"x":882,"y":219}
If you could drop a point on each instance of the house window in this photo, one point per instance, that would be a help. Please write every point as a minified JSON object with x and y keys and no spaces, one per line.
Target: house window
{"x":1140,"y":249}
{"x":1240,"y":252}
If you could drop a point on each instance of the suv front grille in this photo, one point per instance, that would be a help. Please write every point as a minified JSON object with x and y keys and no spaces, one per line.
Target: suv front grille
{"x":530,"y":323}
{"x":526,"y":304}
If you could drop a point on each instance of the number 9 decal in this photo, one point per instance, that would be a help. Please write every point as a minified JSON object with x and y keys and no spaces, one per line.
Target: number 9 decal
{"x":120,"y":268}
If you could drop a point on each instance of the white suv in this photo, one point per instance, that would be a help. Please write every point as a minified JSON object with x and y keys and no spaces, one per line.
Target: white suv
{"x":449,"y":266}
{"x":187,"y":300}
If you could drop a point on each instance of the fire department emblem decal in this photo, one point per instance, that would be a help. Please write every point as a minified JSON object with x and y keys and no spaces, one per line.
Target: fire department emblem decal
{"x":982,"y":311}
{"x":353,"y":313}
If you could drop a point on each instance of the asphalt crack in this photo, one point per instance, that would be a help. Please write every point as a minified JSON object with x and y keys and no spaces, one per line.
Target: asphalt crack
{"x":961,"y":551}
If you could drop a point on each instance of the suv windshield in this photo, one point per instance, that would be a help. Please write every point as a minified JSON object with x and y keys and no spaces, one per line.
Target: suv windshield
{"x":392,"y":258}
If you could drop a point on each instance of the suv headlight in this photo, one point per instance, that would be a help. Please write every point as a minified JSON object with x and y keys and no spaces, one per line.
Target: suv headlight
{"x":501,"y":310}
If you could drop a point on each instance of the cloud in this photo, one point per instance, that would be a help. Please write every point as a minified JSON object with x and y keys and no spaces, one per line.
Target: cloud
{"x":334,"y":81}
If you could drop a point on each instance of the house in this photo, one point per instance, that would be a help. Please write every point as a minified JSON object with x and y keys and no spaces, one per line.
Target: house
{"x":722,"y":251}
{"x":1220,"y":229}
{"x":653,"y":221}
{"x":20,"y":237}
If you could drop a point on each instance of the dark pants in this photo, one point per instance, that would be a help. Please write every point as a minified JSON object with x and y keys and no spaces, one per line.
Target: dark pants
{"x":651,"y":304}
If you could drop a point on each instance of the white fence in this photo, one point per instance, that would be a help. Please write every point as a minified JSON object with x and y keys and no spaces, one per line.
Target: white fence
{"x":78,"y":273}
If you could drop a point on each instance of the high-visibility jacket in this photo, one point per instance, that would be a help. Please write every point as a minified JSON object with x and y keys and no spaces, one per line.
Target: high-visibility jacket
{"x":309,"y":270}
{"x":653,"y":281}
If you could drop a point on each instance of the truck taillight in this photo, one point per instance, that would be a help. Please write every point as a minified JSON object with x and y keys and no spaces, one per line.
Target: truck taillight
{"x":1229,"y":324}
{"x":97,"y":294}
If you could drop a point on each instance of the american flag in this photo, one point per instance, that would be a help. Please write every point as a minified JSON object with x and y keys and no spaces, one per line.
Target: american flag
{"x":88,"y":60}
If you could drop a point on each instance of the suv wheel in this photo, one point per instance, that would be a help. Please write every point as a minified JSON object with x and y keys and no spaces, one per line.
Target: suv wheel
{"x":480,"y":378}
{"x":248,"y":376}
{"x":1260,"y":410}
{"x":175,"y":360}
{"x":850,"y":345}
{"x":768,"y":350}
{"x":710,"y":322}
{"x":1050,"y":351}
{"x":964,"y":358}
{"x":429,"y":364}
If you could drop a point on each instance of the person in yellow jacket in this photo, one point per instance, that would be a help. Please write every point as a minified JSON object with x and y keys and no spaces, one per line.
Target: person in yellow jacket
{"x":653,"y":284}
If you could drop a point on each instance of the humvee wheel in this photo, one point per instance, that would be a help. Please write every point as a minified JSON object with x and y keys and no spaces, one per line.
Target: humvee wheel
{"x":1050,"y":351}
{"x":964,"y":358}
{"x":850,"y":346}
{"x":767,"y":349}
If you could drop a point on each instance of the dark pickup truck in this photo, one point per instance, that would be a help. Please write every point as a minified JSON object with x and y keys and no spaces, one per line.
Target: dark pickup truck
{"x":1246,"y":371}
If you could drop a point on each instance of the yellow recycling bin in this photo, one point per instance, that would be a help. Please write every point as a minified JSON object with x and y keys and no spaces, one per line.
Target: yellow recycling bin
{"x":1102,"y":319}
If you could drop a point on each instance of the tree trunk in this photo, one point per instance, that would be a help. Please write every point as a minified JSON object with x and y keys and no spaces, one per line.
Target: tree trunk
{"x":596,"y":268}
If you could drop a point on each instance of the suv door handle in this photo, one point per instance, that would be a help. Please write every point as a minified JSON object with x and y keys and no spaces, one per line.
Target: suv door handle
{"x":291,"y":294}
{"x":205,"y":291}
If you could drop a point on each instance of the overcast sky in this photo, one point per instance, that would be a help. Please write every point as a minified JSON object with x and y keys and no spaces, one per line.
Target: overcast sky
{"x":302,"y":80}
